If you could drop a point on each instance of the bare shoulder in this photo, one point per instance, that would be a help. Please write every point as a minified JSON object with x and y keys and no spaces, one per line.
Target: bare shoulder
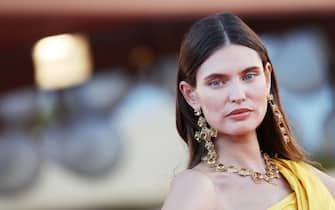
{"x":328,"y":181}
{"x":191,"y":190}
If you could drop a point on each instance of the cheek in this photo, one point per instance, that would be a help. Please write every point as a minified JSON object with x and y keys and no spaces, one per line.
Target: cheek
{"x":258,"y":91}
{"x":211,"y":101}
{"x":259,"y":99}
{"x":213,"y":105}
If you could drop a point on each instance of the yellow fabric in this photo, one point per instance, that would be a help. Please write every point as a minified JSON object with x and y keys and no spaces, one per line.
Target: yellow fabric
{"x":309,"y":191}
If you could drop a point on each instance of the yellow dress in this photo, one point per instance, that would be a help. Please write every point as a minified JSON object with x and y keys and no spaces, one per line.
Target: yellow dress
{"x":309,"y":191}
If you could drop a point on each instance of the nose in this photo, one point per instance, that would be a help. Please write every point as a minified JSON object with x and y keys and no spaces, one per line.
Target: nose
{"x":237,"y":93}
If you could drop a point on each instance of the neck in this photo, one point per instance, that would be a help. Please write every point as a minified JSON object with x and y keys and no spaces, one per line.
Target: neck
{"x":241,"y":151}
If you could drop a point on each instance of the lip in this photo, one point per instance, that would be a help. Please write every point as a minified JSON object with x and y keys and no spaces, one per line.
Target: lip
{"x":241,"y":112}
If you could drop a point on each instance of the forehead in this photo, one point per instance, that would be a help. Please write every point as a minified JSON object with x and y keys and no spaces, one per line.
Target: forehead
{"x":229,"y":59}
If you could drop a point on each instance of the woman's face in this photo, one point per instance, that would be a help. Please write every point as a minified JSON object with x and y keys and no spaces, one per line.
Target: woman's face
{"x":232,"y":88}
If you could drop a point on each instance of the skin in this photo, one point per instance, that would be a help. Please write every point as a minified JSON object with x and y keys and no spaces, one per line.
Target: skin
{"x":227,"y":81}
{"x":232,"y":77}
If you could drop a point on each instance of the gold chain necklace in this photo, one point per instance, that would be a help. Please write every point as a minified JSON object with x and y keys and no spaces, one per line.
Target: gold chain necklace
{"x":271,"y":169}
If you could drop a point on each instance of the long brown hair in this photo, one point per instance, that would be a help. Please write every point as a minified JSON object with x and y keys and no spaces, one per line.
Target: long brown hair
{"x":203,"y":39}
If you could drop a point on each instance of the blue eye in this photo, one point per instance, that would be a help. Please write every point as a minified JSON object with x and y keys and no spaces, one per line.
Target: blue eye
{"x":215,"y":83}
{"x":248,"y":76}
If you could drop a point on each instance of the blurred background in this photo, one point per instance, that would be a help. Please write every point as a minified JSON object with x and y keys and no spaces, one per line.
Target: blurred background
{"x":87,"y":94}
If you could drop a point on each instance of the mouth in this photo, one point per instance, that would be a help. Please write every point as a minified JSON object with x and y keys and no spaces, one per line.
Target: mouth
{"x":240,"y":111}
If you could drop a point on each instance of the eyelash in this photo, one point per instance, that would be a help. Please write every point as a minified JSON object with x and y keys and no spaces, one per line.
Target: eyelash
{"x":214,"y":81}
{"x":249,"y":74}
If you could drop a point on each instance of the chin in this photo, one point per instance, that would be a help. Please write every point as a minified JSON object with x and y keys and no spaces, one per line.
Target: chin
{"x":238,"y":130}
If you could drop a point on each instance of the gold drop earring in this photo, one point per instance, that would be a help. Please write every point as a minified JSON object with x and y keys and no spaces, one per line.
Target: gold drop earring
{"x":206,"y":134}
{"x":278,"y":116}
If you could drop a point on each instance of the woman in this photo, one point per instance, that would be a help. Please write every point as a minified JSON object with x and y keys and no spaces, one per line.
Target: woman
{"x":242,"y":153}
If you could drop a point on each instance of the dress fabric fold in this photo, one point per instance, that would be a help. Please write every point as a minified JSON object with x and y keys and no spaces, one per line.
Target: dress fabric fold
{"x":309,"y":191}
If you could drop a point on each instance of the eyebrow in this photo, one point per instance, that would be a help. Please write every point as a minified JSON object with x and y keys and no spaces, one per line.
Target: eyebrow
{"x":214,"y":75}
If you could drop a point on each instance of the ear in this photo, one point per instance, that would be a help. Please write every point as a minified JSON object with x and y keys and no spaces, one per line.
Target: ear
{"x":268,"y":72}
{"x":189,"y":94}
